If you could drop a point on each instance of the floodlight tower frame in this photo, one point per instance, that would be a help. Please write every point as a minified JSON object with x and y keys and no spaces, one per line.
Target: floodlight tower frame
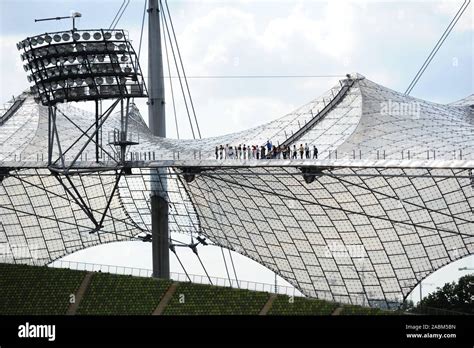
{"x":60,"y":64}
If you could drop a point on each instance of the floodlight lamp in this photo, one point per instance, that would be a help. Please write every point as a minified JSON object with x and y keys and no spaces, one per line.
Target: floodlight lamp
{"x":99,"y":80}
{"x":127,"y":69}
{"x":119,"y":36}
{"x":48,"y":39}
{"x":76,"y":36}
{"x":57,"y":38}
{"x":109,"y":80}
{"x":66,"y":37}
{"x":76,"y":15}
{"x":86,"y":36}
{"x":107,"y":35}
{"x":40,"y":40}
{"x":97,"y":36}
{"x":34,"y":42}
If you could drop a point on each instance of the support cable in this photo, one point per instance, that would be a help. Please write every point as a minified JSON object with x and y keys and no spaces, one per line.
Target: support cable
{"x":204,"y":268}
{"x":226,"y":269}
{"x":166,"y":28}
{"x":123,"y":11}
{"x":438,"y":45}
{"x":113,"y":21}
{"x":171,"y":84}
{"x":182,"y":266}
{"x":141,"y":32}
{"x":233,"y":267}
{"x":182,"y":68}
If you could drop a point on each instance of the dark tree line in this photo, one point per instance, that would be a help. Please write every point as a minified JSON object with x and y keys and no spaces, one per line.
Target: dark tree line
{"x":457,"y":297}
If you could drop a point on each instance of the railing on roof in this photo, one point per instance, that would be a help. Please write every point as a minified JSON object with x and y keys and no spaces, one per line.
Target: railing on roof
{"x":346,"y":85}
{"x":11,"y":110}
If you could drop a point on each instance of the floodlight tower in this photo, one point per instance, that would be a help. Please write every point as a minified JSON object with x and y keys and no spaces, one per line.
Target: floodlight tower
{"x":157,"y":124}
{"x":85,"y":65}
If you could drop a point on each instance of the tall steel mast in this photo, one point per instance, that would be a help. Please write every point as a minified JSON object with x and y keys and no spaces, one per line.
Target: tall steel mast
{"x":157,"y":124}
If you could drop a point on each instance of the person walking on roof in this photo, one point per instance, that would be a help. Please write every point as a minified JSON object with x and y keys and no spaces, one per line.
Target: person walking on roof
{"x":306,"y":150}
{"x":269,"y":146}
{"x":221,"y":152}
{"x":295,"y":152}
{"x":315,"y":152}
{"x":301,"y":151}
{"x":217,"y":152}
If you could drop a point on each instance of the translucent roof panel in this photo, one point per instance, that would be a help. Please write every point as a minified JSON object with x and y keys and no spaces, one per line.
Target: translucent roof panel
{"x":362,"y":234}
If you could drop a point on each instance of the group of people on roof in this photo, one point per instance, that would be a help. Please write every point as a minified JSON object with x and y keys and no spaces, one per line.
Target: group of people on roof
{"x":267,"y":151}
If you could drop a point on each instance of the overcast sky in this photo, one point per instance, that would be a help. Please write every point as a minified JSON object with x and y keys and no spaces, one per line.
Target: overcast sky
{"x":385,"y":41}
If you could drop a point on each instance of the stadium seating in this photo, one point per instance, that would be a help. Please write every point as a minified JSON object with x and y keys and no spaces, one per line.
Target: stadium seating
{"x":112,"y":294}
{"x":358,"y":310}
{"x":198,"y":299}
{"x":285,"y":305}
{"x":28,"y":290}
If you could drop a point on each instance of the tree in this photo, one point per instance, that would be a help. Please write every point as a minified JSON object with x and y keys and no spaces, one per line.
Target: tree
{"x":453,"y":296}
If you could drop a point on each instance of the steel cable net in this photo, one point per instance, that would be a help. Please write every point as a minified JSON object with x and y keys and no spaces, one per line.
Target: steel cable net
{"x":365,"y":233}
